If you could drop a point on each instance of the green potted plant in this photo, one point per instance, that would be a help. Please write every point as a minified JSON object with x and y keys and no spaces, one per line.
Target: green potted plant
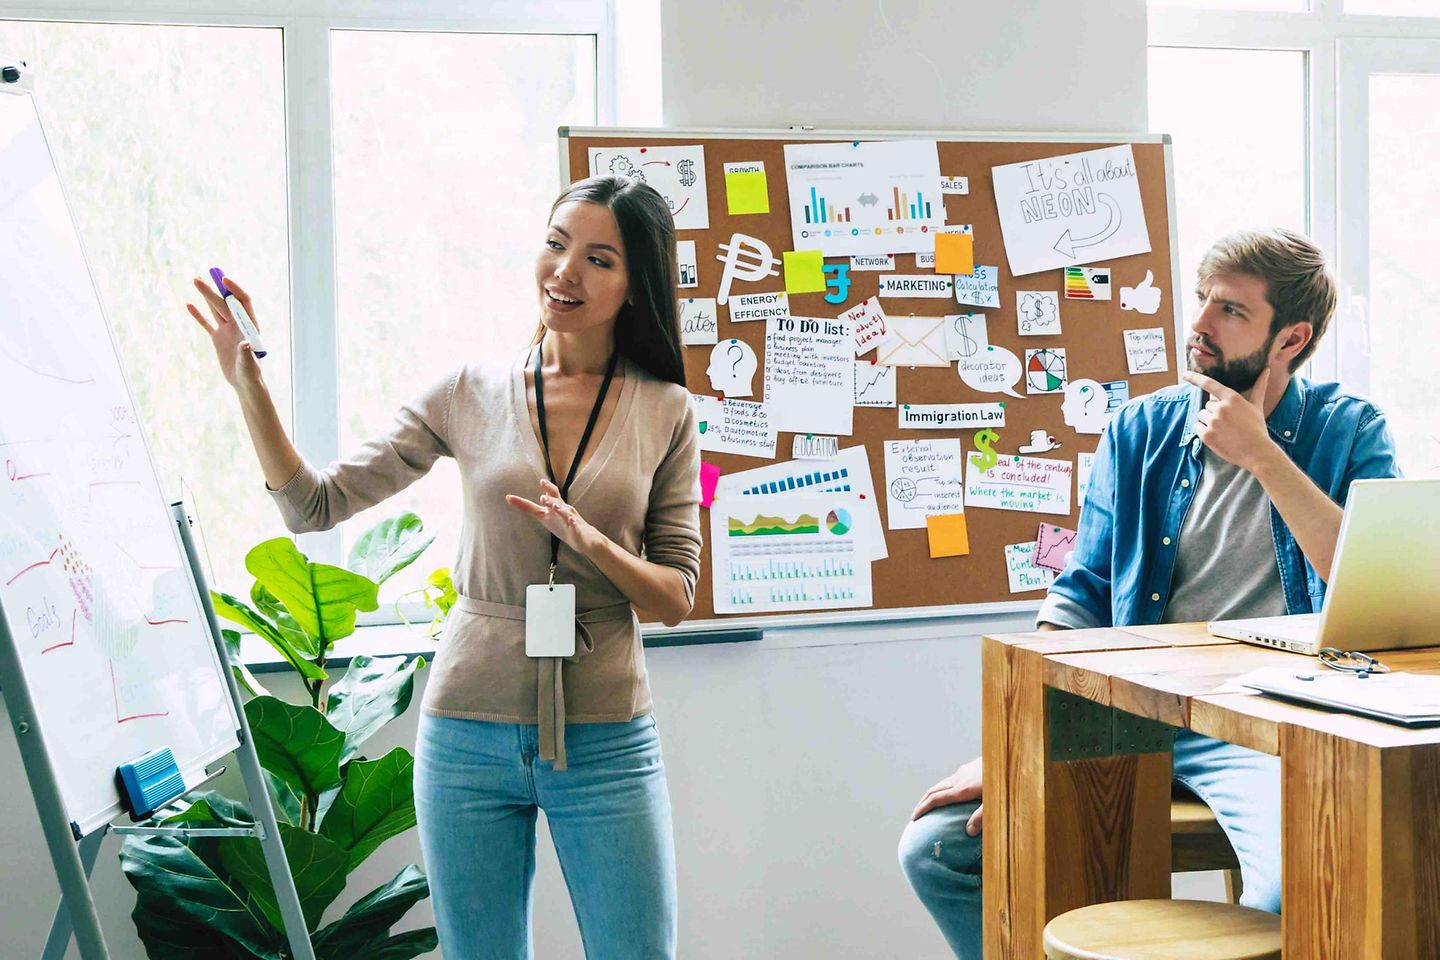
{"x":212,"y":898}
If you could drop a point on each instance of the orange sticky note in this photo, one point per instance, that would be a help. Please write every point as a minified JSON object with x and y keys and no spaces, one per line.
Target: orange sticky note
{"x":804,"y":271}
{"x":949,"y":537}
{"x":955,"y":253}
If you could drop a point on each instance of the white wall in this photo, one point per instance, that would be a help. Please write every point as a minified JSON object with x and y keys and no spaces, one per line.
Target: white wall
{"x":792,"y":766}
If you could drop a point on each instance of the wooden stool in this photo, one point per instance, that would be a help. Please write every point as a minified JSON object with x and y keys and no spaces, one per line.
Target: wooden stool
{"x":1197,"y":842}
{"x":1163,"y":930}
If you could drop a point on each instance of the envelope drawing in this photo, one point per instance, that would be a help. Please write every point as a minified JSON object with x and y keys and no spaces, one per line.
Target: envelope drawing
{"x":914,"y":342}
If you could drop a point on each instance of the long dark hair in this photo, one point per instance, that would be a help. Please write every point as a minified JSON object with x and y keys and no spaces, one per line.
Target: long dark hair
{"x":647,"y":328}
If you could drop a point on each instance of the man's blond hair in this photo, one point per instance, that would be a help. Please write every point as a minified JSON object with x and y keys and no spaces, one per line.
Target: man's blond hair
{"x":1298,"y":286}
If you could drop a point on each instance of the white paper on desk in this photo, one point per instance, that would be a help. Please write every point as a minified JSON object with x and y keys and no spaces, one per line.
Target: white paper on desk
{"x":922,"y":478}
{"x":1400,"y":695}
{"x":1028,"y":484}
{"x":789,"y":552}
{"x":810,"y":374}
{"x":848,"y":472}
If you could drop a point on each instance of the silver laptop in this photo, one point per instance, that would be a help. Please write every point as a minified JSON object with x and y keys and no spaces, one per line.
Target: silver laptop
{"x":1384,"y":589}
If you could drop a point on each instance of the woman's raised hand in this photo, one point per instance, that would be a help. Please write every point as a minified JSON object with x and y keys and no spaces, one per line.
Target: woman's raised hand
{"x":237,"y":360}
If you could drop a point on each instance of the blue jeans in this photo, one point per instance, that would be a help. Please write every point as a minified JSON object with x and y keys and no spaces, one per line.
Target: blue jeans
{"x":1241,"y":786}
{"x":478,"y":787}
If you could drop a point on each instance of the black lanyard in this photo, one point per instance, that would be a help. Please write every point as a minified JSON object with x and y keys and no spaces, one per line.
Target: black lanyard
{"x":584,"y":438}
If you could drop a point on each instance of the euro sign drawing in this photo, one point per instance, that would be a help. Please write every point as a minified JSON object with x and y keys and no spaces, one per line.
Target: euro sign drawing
{"x":983,"y":442}
{"x":745,"y":258}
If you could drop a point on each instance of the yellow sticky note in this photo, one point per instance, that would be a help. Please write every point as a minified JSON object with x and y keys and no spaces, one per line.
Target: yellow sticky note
{"x":804,"y":271}
{"x":949,"y":537}
{"x":954,"y":253}
{"x":747,"y":192}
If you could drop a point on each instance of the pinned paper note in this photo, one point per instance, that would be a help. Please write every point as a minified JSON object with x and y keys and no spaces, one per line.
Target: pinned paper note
{"x":810,"y":374}
{"x":1045,"y":370}
{"x":949,"y":536}
{"x":807,"y":446}
{"x":749,"y":307}
{"x":1030,"y":484}
{"x":992,"y":370}
{"x":980,"y":288}
{"x":1087,"y":283}
{"x":676,"y":173}
{"x":864,"y":197}
{"x":1071,"y":209}
{"x":732,"y":368}
{"x":1117,"y":392}
{"x":698,"y":321}
{"x":917,"y":285}
{"x":955,"y":251}
{"x":958,"y":186}
{"x":966,"y":334}
{"x":1053,"y":547}
{"x":709,"y":477}
{"x":734,"y":426}
{"x":686,"y":266}
{"x":1142,"y":298}
{"x":1040,"y":442}
{"x":1084,"y":463}
{"x":951,"y":416}
{"x":923,"y":478}
{"x":1023,"y":574}
{"x":914,"y":342}
{"x":804,"y":271}
{"x":747,"y":259}
{"x":1037,"y":312}
{"x":1086,"y":408}
{"x":1145,"y":351}
{"x":746,"y":190}
{"x":870,"y":326}
{"x":872,"y":261}
{"x":874,"y":384}
{"x":849,"y":472}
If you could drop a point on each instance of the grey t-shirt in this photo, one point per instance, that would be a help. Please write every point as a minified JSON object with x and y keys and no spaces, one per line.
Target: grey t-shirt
{"x":1225,"y":560}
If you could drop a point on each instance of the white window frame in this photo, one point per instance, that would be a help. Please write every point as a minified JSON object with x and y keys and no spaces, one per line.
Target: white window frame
{"x":1320,"y":33}
{"x":306,"y":27}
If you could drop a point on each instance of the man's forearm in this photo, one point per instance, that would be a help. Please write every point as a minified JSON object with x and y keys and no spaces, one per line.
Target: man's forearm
{"x":1312,"y":517}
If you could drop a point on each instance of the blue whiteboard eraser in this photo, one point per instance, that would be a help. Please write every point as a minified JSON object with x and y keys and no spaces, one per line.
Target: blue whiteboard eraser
{"x":150,"y":782}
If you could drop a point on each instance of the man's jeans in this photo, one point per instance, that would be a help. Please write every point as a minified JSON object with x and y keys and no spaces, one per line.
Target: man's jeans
{"x":1241,"y":786}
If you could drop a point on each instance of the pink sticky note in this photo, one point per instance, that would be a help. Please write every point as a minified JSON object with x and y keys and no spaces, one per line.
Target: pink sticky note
{"x":709,"y":477}
{"x":1053,"y":546}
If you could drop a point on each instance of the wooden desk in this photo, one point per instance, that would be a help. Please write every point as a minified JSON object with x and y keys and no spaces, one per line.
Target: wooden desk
{"x":1077,"y":789}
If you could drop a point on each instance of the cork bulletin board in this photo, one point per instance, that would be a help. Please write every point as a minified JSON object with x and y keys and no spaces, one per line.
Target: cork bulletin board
{"x":909,"y":582}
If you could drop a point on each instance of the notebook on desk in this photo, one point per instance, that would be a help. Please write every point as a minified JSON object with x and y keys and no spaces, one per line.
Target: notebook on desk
{"x":1411,"y":699}
{"x":1384,"y":589}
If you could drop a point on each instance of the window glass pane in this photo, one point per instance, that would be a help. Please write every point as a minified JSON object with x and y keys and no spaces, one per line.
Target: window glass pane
{"x":443,"y":183}
{"x":173,"y":167}
{"x":1238,"y":122}
{"x":1284,"y":5}
{"x":1404,"y":248}
{"x":1395,"y":8}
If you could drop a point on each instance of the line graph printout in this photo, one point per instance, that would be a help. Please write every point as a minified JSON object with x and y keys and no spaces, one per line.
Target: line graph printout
{"x":789,"y":552}
{"x":97,"y":595}
{"x":864,"y":197}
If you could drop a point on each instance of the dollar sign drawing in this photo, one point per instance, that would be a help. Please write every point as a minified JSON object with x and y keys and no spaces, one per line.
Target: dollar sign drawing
{"x":988,"y":457}
{"x":687,"y":173}
{"x":968,"y":346}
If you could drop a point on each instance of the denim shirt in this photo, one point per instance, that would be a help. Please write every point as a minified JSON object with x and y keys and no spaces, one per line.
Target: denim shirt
{"x":1144,"y":477}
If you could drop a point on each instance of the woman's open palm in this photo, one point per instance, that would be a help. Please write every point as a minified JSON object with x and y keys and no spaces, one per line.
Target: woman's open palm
{"x":237,"y":360}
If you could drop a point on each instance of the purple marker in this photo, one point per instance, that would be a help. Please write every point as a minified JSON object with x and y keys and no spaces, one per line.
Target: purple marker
{"x":248,"y":330}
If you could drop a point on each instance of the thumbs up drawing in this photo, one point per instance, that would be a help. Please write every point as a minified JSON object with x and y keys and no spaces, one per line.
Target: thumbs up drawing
{"x":1144,"y":298}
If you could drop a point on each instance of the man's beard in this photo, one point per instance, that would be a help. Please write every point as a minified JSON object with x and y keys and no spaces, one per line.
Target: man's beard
{"x":1240,"y":373}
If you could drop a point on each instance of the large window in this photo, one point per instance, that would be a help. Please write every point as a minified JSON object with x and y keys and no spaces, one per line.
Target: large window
{"x":1337,"y":96}
{"x":381,"y":173}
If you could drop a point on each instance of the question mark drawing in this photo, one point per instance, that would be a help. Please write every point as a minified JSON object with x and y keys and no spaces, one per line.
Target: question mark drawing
{"x":732,"y":368}
{"x":1086,"y":406}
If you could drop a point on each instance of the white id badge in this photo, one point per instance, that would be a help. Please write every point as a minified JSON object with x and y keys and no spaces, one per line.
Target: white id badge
{"x":550,"y":620}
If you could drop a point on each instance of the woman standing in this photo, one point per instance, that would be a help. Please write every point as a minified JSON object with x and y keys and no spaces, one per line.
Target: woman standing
{"x":552,"y":715}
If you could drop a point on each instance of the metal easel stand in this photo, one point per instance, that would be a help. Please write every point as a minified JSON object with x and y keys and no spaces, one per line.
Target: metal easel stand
{"x":73,"y":866}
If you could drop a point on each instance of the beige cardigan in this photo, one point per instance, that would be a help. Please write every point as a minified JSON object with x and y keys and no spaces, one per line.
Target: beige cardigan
{"x":639,"y":486}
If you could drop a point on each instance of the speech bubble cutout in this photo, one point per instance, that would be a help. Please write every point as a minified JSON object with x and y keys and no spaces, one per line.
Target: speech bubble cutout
{"x":992,"y":370}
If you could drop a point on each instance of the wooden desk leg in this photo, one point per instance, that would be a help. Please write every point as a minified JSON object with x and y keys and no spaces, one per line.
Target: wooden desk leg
{"x":1059,"y":835}
{"x":1360,"y":848}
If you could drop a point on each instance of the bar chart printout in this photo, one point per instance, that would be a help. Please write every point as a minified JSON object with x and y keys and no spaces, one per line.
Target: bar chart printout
{"x":788,"y":552}
{"x":864,"y":197}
